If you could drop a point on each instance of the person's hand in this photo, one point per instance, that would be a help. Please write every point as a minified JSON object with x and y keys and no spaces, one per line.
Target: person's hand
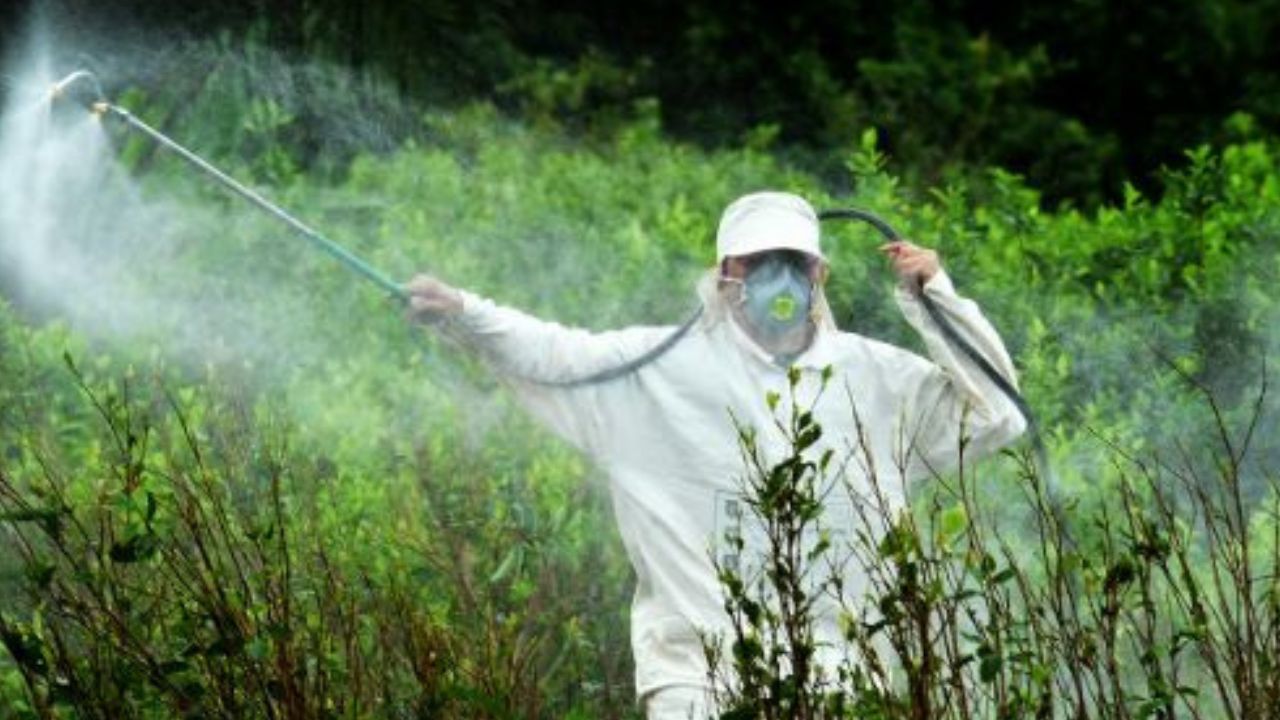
{"x":431,"y":300}
{"x":914,"y":265}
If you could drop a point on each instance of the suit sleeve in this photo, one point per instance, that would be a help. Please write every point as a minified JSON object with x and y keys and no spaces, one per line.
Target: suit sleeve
{"x":952,"y":399}
{"x":537,"y":357}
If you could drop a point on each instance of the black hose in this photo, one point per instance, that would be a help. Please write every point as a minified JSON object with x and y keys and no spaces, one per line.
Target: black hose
{"x":948,"y":329}
{"x":631,"y":366}
{"x":953,"y":336}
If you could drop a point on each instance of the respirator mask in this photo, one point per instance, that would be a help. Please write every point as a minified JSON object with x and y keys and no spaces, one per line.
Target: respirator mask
{"x":775,"y":300}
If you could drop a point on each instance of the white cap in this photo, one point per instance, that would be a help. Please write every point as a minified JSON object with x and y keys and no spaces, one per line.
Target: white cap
{"x":767,"y":221}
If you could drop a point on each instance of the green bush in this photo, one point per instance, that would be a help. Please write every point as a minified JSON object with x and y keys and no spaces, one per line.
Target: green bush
{"x":1158,"y":603}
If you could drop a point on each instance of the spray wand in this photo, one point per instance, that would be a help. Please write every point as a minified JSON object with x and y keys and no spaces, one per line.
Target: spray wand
{"x":92,"y":98}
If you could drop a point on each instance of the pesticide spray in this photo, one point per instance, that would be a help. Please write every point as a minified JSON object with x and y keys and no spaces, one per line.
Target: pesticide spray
{"x":83,"y":88}
{"x":45,"y":183}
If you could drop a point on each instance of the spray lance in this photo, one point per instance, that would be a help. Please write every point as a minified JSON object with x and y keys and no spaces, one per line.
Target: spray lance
{"x":82,"y":87}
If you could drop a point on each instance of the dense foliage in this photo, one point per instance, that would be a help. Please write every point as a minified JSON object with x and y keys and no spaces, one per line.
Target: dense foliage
{"x":1160,"y":603}
{"x":1077,"y":96}
{"x":329,"y":514}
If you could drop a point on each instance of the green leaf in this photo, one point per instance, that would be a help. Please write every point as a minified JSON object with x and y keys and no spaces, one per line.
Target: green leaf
{"x":808,"y":437}
{"x":514,"y":557}
{"x":1003,"y":576}
{"x":954,"y":521}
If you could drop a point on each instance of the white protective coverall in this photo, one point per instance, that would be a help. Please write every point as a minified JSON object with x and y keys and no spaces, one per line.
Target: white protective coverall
{"x":665,"y":436}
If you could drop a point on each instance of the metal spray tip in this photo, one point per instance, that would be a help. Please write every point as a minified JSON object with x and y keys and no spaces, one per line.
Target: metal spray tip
{"x":81,"y":87}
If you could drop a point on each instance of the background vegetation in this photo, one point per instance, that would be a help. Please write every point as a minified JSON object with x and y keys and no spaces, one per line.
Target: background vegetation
{"x":344,"y":517}
{"x":1079,"y":97}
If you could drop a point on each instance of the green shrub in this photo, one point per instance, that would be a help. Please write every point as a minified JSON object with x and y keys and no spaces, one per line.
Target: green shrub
{"x":1160,"y":603}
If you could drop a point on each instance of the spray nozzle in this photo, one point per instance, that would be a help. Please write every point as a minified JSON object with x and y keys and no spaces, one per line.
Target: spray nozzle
{"x":81,"y":87}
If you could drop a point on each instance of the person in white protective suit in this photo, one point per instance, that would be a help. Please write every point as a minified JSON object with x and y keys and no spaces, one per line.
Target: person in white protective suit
{"x":665,"y":434}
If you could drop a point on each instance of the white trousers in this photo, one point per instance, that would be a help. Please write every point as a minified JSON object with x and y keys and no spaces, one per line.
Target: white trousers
{"x":679,"y":702}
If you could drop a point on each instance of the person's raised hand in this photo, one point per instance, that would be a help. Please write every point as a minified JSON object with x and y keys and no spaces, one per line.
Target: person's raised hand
{"x":913,"y":264}
{"x":431,"y":300}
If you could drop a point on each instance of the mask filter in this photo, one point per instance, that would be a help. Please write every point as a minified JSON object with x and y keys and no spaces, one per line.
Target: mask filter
{"x":777,"y":297}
